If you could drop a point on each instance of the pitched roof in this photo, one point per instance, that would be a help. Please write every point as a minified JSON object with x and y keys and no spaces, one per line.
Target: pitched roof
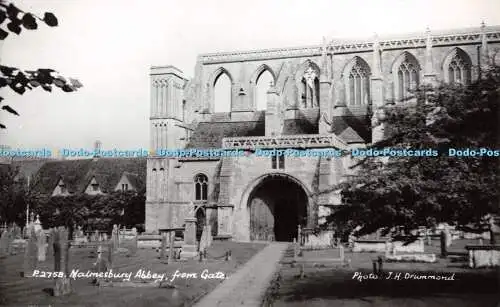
{"x":28,"y":168}
{"x":210,"y":134}
{"x":359,"y":132}
{"x":135,"y":180}
{"x":77,"y":174}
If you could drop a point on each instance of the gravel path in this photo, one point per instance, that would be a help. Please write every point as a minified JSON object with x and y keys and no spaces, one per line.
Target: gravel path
{"x":248,"y":285}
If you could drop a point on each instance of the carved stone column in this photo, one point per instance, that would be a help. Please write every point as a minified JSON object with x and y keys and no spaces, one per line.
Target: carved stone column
{"x":429,"y":72}
{"x":377,"y":87}
{"x":324,"y":93}
{"x":484,"y":59}
{"x":273,"y":122}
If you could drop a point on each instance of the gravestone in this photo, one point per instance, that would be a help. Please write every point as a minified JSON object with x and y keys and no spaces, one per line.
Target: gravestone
{"x":116,"y":236}
{"x":101,"y":265}
{"x":62,"y":285}
{"x":163,"y":251}
{"x":111,"y":251}
{"x":10,"y":239}
{"x":16,"y":232}
{"x":444,"y":246}
{"x":50,"y":243}
{"x":133,"y":244}
{"x":30,"y":255}
{"x":189,"y":246}
{"x":37,"y":225}
{"x":4,"y":243}
{"x":41,"y":243}
{"x":171,"y":252}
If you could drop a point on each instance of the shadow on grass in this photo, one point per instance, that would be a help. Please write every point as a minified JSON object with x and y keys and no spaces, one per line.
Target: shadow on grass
{"x":341,"y":285}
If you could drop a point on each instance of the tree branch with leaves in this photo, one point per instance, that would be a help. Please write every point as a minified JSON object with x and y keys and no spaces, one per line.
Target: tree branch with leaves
{"x":407,"y":192}
{"x":13,"y":20}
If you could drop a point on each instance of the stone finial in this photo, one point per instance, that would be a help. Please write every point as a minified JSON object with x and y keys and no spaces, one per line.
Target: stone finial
{"x":377,"y":68}
{"x":484,"y":48}
{"x":428,"y":41}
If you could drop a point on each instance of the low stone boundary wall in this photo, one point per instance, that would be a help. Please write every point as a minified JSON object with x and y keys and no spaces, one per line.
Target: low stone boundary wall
{"x":413,"y":247}
{"x":381,"y":246}
{"x":149,"y":241}
{"x":322,"y":240}
{"x":370,"y":246}
{"x":428,"y":258}
{"x":483,"y":255}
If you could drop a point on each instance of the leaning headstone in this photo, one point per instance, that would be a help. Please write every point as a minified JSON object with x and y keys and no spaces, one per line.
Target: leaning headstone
{"x":62,"y":285}
{"x":30,"y":255}
{"x":41,"y":244}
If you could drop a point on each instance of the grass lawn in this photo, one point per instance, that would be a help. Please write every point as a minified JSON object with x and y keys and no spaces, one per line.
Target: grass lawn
{"x":335,"y":286}
{"x":18,"y":291}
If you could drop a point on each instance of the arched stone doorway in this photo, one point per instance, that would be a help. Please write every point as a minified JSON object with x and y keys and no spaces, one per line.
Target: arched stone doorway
{"x":277,"y":205}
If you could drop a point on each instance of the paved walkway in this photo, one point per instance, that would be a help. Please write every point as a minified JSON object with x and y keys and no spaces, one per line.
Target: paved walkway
{"x":248,"y":285}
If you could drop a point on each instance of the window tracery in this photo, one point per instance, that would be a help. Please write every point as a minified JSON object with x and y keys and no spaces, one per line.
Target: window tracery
{"x":201,"y":187}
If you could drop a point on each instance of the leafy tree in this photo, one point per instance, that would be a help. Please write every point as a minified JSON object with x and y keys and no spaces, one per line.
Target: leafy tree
{"x":397,"y":194}
{"x":12,"y":196}
{"x":14,"y":20}
{"x":93,"y":212}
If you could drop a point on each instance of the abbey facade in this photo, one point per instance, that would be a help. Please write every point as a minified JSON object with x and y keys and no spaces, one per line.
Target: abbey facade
{"x":324,"y":96}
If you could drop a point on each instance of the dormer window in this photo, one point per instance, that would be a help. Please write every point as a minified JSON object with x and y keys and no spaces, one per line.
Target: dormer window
{"x":124,"y":187}
{"x":93,"y":187}
{"x":63,"y":188}
{"x":60,"y":189}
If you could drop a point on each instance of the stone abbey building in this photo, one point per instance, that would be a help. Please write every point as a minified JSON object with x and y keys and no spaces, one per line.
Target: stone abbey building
{"x":324,"y":96}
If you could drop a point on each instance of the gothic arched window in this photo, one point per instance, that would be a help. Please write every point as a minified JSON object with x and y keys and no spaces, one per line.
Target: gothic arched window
{"x":458,"y":68}
{"x":359,"y":82}
{"x":201,"y":187}
{"x":407,"y":76}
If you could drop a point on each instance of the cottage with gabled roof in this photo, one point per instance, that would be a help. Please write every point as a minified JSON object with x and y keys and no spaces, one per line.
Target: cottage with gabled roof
{"x":90,"y":176}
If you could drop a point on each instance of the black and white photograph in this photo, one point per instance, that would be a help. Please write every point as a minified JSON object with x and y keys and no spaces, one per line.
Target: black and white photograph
{"x":250,"y":153}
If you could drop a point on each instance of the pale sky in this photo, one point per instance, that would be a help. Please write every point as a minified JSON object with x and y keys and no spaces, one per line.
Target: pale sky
{"x":110,"y":45}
